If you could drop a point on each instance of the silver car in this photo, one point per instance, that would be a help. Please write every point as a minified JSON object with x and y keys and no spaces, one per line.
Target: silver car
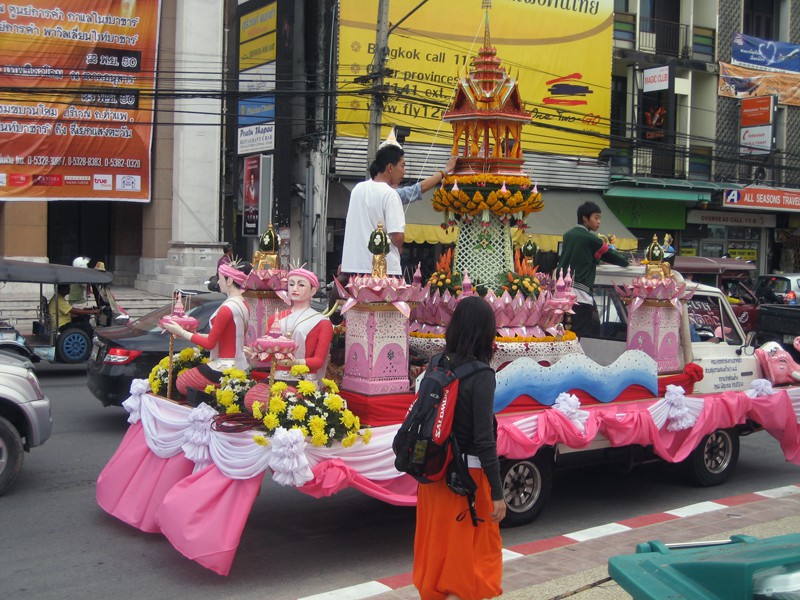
{"x":25,"y":419}
{"x":778,"y":288}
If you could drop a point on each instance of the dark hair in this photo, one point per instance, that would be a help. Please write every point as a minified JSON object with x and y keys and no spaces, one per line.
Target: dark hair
{"x":587,"y":209}
{"x":388,"y":155}
{"x":471,"y":331}
{"x":227,"y":248}
{"x":373,"y":170}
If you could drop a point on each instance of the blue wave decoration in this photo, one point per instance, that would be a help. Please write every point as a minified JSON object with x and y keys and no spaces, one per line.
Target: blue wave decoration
{"x":574,"y":372}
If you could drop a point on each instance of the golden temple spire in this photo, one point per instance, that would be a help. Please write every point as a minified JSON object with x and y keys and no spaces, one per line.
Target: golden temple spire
{"x":487,"y":42}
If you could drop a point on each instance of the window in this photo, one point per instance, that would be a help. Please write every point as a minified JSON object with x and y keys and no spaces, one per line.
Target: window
{"x":621,"y":6}
{"x":619,"y":106}
{"x":710,"y":322}
{"x":760,"y":19}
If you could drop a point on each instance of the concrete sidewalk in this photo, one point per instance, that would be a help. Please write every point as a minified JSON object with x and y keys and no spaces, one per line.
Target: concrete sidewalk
{"x":574,"y":565}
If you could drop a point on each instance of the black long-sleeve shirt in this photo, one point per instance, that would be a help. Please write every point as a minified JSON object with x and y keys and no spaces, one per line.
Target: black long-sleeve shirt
{"x":475,"y":427}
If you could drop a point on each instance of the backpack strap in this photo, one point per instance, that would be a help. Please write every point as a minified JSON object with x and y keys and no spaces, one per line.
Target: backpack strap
{"x":470,"y":368}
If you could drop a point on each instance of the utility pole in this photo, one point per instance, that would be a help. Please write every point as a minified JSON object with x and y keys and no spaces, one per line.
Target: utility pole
{"x":377,"y":75}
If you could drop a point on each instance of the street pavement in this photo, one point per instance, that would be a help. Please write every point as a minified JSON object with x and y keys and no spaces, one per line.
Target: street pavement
{"x":575,"y":565}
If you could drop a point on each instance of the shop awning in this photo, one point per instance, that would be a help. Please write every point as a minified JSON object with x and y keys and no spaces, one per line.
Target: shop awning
{"x":657,"y":194}
{"x":657,"y":188}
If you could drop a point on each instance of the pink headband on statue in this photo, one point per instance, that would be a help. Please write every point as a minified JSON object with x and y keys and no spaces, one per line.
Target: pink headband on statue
{"x":235,"y":274}
{"x":305,"y":274}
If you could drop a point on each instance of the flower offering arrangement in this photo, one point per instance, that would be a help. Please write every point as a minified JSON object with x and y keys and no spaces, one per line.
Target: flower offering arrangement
{"x":321,"y":415}
{"x":233,"y":385}
{"x":181,"y":361}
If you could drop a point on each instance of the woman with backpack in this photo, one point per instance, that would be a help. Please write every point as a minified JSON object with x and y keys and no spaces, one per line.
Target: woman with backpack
{"x":454,"y":559}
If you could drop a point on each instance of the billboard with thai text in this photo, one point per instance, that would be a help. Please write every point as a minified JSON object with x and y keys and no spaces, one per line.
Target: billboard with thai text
{"x":560,"y":52}
{"x":76,"y":109}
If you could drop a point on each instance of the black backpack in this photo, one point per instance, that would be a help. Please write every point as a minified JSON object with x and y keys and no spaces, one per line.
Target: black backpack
{"x":423,"y":444}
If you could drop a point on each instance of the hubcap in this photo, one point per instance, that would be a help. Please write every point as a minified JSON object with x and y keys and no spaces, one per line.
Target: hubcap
{"x":75,"y":345}
{"x":522,"y":486}
{"x":717,"y":452}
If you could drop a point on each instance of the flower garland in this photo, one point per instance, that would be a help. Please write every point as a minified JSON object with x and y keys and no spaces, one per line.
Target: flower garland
{"x":503,"y":202}
{"x":321,"y":415}
{"x":187,"y":358}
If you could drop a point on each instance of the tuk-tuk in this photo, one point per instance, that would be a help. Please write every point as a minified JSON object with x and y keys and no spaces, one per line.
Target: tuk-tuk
{"x":49,"y":340}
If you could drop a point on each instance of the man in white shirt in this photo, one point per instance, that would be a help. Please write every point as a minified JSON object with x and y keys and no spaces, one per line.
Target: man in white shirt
{"x":371,"y":202}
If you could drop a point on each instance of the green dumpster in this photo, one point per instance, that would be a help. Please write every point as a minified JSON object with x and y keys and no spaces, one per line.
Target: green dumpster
{"x":742,"y":568}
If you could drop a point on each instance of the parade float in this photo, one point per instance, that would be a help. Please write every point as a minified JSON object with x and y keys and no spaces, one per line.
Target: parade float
{"x":646,"y":390}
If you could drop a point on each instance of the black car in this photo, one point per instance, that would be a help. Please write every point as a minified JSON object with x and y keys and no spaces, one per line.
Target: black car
{"x":127,"y":352}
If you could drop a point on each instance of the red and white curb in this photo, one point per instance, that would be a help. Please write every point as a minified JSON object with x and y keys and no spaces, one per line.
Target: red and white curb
{"x":387,"y":584}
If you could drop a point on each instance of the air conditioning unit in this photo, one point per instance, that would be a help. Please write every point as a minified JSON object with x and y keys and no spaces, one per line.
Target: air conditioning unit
{"x":761,"y":174}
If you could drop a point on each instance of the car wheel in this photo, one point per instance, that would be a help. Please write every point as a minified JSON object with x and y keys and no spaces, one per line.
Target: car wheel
{"x":714,"y":459}
{"x":527,"y":484}
{"x":11,"y":454}
{"x":73,"y":345}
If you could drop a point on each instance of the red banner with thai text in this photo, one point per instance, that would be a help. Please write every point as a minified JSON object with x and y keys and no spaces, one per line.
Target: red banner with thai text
{"x":76,"y":101}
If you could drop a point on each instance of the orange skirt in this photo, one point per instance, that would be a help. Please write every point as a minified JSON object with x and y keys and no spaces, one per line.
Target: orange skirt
{"x":455,"y":557}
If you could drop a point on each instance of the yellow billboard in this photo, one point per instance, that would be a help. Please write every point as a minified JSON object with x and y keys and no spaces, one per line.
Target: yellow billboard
{"x":559,"y":50}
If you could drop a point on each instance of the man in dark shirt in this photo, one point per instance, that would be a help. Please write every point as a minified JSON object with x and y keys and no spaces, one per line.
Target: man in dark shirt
{"x":582,"y":250}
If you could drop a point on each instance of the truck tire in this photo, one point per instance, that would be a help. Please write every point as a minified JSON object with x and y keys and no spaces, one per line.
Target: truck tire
{"x":527,"y":484}
{"x":11,"y":454}
{"x":73,"y":345}
{"x":714,"y":459}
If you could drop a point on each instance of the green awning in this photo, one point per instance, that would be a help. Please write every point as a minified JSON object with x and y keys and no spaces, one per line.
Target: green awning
{"x":650,"y":193}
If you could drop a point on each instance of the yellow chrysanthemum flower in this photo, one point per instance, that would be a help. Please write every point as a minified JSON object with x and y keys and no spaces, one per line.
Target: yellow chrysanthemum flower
{"x":298,"y":413}
{"x":356,"y":423}
{"x":366,"y":436}
{"x":186,"y":354}
{"x":271,"y":421}
{"x":277,"y":388}
{"x":225,"y":397}
{"x":209,"y":389}
{"x":164,"y":362}
{"x":349,"y":440}
{"x":205,"y":360}
{"x":307,"y":388}
{"x":330,"y":385}
{"x":348,"y":418}
{"x":261,"y":440}
{"x":155,"y":385}
{"x":238,"y":374}
{"x":317,"y":423}
{"x":334,"y":402}
{"x":319,"y":438}
{"x":183,"y":370}
{"x":298,"y":370}
{"x":256,"y":408}
{"x":277,"y":405}
{"x":233,"y":409}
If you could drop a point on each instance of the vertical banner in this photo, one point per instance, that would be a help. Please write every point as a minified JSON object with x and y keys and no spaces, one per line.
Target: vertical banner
{"x":252,"y":194}
{"x":560,"y":52}
{"x":265,"y":215}
{"x":76,"y":101}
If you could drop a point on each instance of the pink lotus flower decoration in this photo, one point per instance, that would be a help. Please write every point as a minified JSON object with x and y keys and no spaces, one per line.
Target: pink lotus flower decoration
{"x":394,"y":290}
{"x":515,"y":315}
{"x":650,"y":288}
{"x":266,"y":279}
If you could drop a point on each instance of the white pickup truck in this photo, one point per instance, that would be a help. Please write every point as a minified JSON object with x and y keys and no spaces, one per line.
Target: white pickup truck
{"x":711,"y":337}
